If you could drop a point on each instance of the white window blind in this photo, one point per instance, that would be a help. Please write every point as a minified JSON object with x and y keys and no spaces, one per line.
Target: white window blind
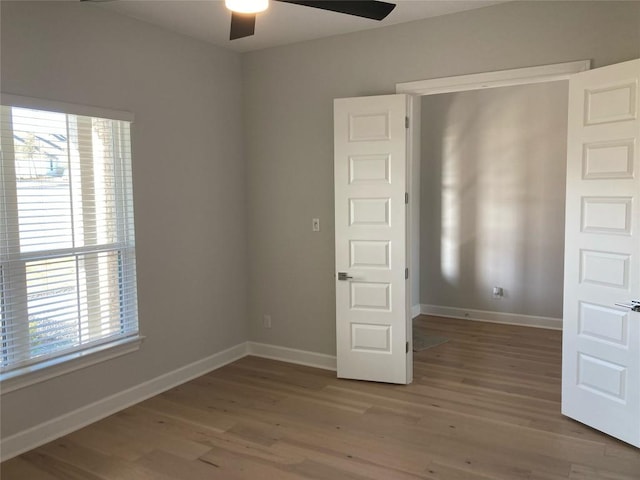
{"x":67,"y":248}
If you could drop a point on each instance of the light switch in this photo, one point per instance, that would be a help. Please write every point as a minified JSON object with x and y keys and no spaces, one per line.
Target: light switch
{"x":315,"y":224}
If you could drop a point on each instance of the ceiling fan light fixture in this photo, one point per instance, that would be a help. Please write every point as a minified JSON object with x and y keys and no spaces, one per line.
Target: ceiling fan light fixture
{"x":247,"y":6}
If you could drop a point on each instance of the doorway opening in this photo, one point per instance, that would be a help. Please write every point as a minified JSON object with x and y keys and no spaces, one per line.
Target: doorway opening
{"x":489,"y":193}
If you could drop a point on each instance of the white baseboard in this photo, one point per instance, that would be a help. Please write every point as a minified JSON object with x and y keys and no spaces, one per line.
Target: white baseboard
{"x":493,"y":317}
{"x":64,"y":424}
{"x":292,"y":355}
{"x":416,"y":310}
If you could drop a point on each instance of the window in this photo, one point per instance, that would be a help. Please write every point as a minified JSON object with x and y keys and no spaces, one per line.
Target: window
{"x":67,"y":250}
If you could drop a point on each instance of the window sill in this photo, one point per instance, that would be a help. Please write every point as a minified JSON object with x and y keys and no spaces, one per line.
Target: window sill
{"x":47,"y":370}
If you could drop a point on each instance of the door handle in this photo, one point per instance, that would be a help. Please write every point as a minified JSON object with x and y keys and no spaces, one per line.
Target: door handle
{"x":634,"y":306}
{"x":344,"y":276}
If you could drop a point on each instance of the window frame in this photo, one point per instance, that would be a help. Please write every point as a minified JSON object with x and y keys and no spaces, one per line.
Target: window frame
{"x":50,"y":367}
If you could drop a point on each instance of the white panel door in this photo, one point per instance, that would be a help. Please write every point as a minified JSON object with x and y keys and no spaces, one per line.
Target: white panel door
{"x":601,"y":340}
{"x":372,"y":316}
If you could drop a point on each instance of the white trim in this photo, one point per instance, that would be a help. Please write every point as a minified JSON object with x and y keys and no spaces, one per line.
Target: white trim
{"x":23,"y":377}
{"x":292,"y":355}
{"x":64,"y":424}
{"x":63,"y":107}
{"x":416,"y":310}
{"x":502,"y":78}
{"x":493,"y":317}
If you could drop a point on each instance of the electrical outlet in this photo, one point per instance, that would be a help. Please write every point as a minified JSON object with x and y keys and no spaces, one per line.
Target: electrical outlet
{"x":266,"y":321}
{"x":498,"y":292}
{"x":315,"y":224}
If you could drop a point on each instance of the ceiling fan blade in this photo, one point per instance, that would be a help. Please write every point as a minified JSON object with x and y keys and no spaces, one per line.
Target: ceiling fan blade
{"x":242,"y":25}
{"x":372,"y":9}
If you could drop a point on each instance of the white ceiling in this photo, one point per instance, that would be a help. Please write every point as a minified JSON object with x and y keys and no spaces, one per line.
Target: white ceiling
{"x":281,"y":24}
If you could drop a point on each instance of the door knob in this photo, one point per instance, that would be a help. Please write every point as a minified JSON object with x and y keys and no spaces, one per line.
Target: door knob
{"x":343,"y":276}
{"x":634,"y":306}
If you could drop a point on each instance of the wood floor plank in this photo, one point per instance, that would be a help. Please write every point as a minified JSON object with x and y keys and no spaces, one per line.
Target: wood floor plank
{"x":125,"y":425}
{"x":245,"y":465}
{"x":326,"y":460}
{"x":110,"y":443}
{"x":75,"y":461}
{"x":484,"y":405}
{"x":19,"y":467}
{"x":582,"y":472}
{"x":360,"y":448}
{"x":163,"y":462}
{"x":438,"y":471}
{"x":212,"y":419}
{"x":54,"y":466}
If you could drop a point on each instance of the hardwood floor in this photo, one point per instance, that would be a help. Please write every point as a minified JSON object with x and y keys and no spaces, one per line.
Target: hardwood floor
{"x":485,"y":405}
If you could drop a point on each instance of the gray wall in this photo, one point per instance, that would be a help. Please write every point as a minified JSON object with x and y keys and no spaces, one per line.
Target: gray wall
{"x":492,"y":193}
{"x":288,"y":95}
{"x":188,"y":175}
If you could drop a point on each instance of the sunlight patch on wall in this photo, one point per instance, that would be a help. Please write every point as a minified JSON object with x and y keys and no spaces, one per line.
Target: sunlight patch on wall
{"x":451,"y":208}
{"x":501,"y":192}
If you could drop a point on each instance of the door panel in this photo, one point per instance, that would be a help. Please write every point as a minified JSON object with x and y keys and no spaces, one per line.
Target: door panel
{"x":370,"y":215}
{"x":601,"y":341}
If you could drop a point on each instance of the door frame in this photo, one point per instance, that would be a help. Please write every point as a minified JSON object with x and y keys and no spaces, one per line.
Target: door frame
{"x":462,"y":83}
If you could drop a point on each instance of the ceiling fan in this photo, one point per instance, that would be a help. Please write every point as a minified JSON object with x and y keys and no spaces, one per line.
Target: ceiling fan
{"x":243,"y":12}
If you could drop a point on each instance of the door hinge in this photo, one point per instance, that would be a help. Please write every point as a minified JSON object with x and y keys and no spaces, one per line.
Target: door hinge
{"x":406,"y":274}
{"x":406,"y":198}
{"x":406,"y":348}
{"x":406,"y":122}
